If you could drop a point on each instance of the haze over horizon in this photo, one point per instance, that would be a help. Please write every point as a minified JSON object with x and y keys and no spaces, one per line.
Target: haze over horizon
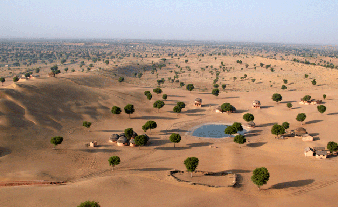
{"x":300,"y":22}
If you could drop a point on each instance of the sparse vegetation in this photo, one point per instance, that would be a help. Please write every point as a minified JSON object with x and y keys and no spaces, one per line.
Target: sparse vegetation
{"x":191,"y":164}
{"x":260,"y":176}
{"x":277,"y":97}
{"x":113,"y":161}
{"x":175,"y":138}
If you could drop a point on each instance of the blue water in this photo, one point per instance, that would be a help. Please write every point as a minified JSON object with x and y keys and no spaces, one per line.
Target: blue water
{"x":213,"y":131}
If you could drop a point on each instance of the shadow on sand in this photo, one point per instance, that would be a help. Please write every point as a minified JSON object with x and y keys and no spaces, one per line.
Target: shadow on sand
{"x":189,"y":146}
{"x":292,"y":184}
{"x":257,"y":144}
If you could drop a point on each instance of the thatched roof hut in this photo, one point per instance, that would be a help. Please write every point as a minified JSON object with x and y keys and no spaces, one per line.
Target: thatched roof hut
{"x":300,"y":131}
{"x":122,"y":141}
{"x":132,"y":142}
{"x":198,"y":102}
{"x":114,"y":137}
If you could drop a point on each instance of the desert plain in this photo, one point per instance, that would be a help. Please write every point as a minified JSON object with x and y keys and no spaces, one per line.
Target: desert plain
{"x":32,"y":110}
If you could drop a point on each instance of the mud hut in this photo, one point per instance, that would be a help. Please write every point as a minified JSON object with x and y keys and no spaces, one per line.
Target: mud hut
{"x":198,"y":102}
{"x":256,"y":104}
{"x":299,"y":132}
{"x":122,"y":141}
{"x":308,"y":152}
{"x":251,"y":124}
{"x":132,"y":142}
{"x":93,"y":144}
{"x":113,"y":138}
{"x":321,"y":154}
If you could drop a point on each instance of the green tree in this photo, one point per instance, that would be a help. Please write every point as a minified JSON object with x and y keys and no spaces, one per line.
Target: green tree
{"x":121,"y":79}
{"x":324,"y":96}
{"x":149,"y":96}
{"x":216,"y":85}
{"x":63,"y":61}
{"x":285,"y":81}
{"x":129,"y":109}
{"x":164,"y":96}
{"x":157,"y":90}
{"x":114,"y":160}
{"x":191,"y":164}
{"x":141,"y":140}
{"x":181,"y":105}
{"x":175,"y":138}
{"x":107,"y":62}
{"x":248,"y":117}
{"x":230,"y":130}
{"x":86,"y":124}
{"x":277,"y":130}
{"x":260,"y":176}
{"x":224,"y":86}
{"x":277,"y":97}
{"x":66,"y":69}
{"x":286,"y":125}
{"x":2,"y":80}
{"x":149,"y":125}
{"x":56,"y":140}
{"x":129,"y":132}
{"x":332,"y":146}
{"x":181,"y":84}
{"x":314,"y":82}
{"x":284,"y":87}
{"x":186,"y":61}
{"x":227,"y":107}
{"x":321,"y":108}
{"x":15,"y":79}
{"x":289,"y":105}
{"x":215,"y":91}
{"x":116,"y":110}
{"x":177,"y":109}
{"x":146,"y":92}
{"x":306,"y":75}
{"x":158,"y":104}
{"x":237,"y":126}
{"x":89,"y":204}
{"x":306,"y":98}
{"x":301,"y":117}
{"x":240,"y":139}
{"x":190,"y":87}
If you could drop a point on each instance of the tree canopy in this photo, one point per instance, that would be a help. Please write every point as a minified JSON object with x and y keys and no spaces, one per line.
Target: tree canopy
{"x":289,"y":105}
{"x":157,"y":90}
{"x":332,"y":146}
{"x":248,"y":117}
{"x":56,"y":140}
{"x":240,"y":139}
{"x":129,"y":132}
{"x":306,"y":98}
{"x":286,"y":125}
{"x":86,"y":124}
{"x":149,"y":125}
{"x":116,"y":110}
{"x":164,"y":96}
{"x":260,"y":176}
{"x":227,"y":107}
{"x":215,"y":91}
{"x":89,"y":204}
{"x":190,"y":87}
{"x":158,"y":104}
{"x":141,"y":140}
{"x":2,"y":80}
{"x":191,"y":164}
{"x":301,"y":117}
{"x":181,"y":105}
{"x":114,"y":160}
{"x":277,"y":129}
{"x":177,"y":109}
{"x":321,"y":108}
{"x":129,"y":109}
{"x":175,"y":138}
{"x":277,"y":97}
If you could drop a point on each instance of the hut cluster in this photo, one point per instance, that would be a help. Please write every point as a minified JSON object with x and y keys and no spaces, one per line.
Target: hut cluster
{"x":121,"y":139}
{"x":318,"y":152}
{"x":302,"y":133}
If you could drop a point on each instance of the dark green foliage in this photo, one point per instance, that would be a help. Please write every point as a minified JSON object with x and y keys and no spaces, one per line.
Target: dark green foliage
{"x":164,"y":96}
{"x":63,"y":61}
{"x":15,"y":79}
{"x":284,"y":87}
{"x":224,"y":86}
{"x":253,"y":80}
{"x":56,"y":140}
{"x":332,"y":146}
{"x":216,"y":85}
{"x":146,"y":92}
{"x":121,"y":79}
{"x":301,"y":117}
{"x":89,"y":204}
{"x":107,"y":62}
{"x":27,"y":75}
{"x":149,"y":125}
{"x":181,"y":84}
{"x":227,"y":107}
{"x":141,"y":140}
{"x":177,"y":109}
{"x":181,"y":105}
{"x":129,"y":109}
{"x":191,"y":164}
{"x":114,"y":160}
{"x":66,"y":69}
{"x":324,"y":96}
{"x":129,"y":132}
{"x":215,"y":91}
{"x":86,"y":124}
{"x":158,"y":104}
{"x":306,"y":98}
{"x":55,"y":70}
{"x":314,"y":82}
{"x":240,"y":139}
{"x":186,"y":61}
{"x":260,"y":176}
{"x":285,"y":81}
{"x":277,"y":97}
{"x":149,"y":96}
{"x":237,"y":126}
{"x":289,"y":105}
{"x":230,"y":130}
{"x":175,"y":138}
{"x":306,"y":75}
{"x":190,"y":87}
{"x":157,"y":90}
{"x":277,"y":130}
{"x":248,"y":117}
{"x":2,"y":80}
{"x":321,"y":108}
{"x":116,"y":110}
{"x":286,"y":125}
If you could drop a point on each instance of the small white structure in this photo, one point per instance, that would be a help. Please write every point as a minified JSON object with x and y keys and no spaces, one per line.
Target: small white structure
{"x":308,"y":152}
{"x":198,"y":102}
{"x":256,"y":104}
{"x":93,"y":144}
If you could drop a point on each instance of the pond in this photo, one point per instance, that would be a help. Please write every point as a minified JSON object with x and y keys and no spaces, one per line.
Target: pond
{"x":212,"y":131}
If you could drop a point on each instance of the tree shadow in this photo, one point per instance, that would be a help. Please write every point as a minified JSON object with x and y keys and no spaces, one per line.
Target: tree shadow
{"x":165,"y":132}
{"x":292,"y":184}
{"x":194,"y":111}
{"x":240,"y":111}
{"x":257,"y":144}
{"x":154,"y":117}
{"x":200,"y":144}
{"x":95,"y":150}
{"x":287,"y":101}
{"x":335,"y":113}
{"x":107,"y":130}
{"x":175,"y":96}
{"x":314,"y":134}
{"x":266,"y":107}
{"x":155,"y":141}
{"x":267,"y":124}
{"x":232,"y":97}
{"x":207,"y":105}
{"x":313,"y":121}
{"x":4,"y":151}
{"x":296,"y":107}
{"x":152,"y":169}
{"x":189,"y":146}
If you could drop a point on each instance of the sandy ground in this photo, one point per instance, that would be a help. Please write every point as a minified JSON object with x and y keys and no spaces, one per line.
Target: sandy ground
{"x":33,"y":111}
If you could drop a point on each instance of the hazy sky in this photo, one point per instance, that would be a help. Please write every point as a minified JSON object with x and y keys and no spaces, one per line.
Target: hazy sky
{"x":287,"y":21}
